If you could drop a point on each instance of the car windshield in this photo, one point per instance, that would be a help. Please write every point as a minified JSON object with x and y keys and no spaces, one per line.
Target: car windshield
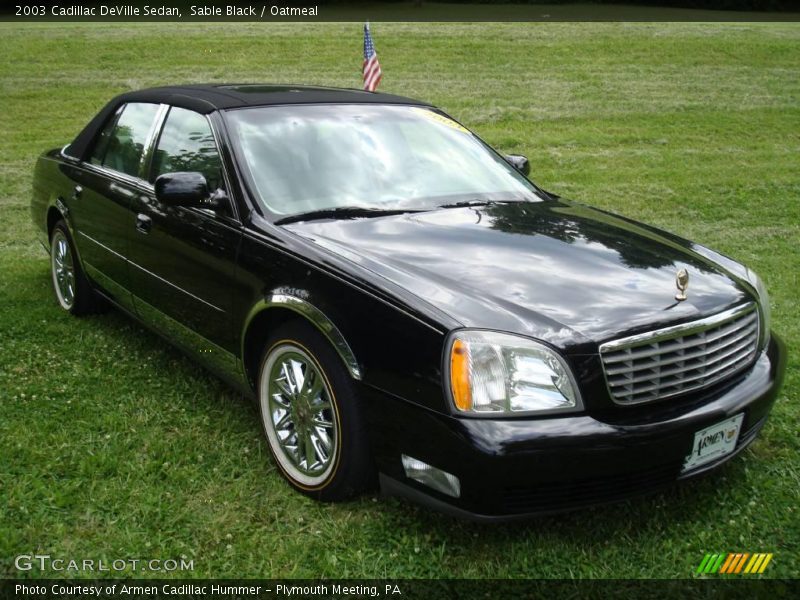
{"x":309,"y":158}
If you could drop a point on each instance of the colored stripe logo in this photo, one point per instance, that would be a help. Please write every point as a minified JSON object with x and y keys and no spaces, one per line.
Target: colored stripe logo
{"x":734,"y":563}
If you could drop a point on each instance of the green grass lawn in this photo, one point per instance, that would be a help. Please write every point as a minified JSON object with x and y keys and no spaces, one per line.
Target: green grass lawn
{"x":113,"y":445}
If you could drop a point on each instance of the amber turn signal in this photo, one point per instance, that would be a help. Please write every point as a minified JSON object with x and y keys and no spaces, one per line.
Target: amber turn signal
{"x":459,"y":375}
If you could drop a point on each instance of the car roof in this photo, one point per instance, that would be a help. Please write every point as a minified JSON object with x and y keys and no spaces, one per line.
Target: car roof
{"x":206,"y":98}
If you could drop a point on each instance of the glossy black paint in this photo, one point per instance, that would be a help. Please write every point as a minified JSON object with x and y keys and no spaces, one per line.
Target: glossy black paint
{"x":181,"y":189}
{"x":184,"y":266}
{"x":395,"y":287}
{"x":557,"y":271}
{"x":512,"y":467}
{"x":520,"y":163}
{"x":99,"y":217}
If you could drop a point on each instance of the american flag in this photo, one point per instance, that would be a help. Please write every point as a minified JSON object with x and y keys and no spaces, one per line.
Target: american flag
{"x":372,"y":68}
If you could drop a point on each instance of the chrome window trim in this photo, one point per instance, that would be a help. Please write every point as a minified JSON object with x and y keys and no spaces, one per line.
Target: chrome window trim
{"x":153,"y":135}
{"x":67,"y":155}
{"x":113,"y":175}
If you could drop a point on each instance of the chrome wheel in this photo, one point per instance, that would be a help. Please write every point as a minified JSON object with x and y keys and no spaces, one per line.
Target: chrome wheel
{"x":63,"y":269}
{"x":299,"y":415}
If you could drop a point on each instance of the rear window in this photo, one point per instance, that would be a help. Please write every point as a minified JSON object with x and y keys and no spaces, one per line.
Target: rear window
{"x":122,"y":141}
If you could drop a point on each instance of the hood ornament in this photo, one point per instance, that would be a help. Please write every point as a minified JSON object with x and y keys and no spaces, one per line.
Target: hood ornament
{"x":682,"y":283}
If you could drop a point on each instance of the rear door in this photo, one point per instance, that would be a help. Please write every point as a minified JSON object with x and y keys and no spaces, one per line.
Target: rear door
{"x":183,"y":260}
{"x":105,"y":186}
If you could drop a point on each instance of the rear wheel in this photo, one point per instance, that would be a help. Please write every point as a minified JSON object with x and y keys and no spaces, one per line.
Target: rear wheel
{"x":69,"y":282}
{"x":312,"y":416}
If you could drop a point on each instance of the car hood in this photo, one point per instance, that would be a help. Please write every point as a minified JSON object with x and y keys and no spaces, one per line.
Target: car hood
{"x":558,"y":271}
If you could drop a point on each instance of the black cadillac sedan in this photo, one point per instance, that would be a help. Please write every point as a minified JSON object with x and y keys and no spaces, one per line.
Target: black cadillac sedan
{"x":404,"y":305}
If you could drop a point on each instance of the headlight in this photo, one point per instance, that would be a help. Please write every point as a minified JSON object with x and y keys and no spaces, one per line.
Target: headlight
{"x":498,"y":373}
{"x":764,"y":308}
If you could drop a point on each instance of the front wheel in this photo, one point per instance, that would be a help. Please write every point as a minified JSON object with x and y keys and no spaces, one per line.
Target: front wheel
{"x":312,"y":415}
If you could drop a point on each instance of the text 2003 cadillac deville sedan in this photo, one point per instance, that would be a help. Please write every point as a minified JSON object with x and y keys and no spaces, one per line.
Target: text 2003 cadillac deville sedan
{"x":403,"y":303}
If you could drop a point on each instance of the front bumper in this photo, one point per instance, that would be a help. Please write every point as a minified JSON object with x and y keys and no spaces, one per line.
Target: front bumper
{"x":511,"y":468}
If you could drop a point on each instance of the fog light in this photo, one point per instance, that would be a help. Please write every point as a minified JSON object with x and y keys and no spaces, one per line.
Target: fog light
{"x":437,"y":479}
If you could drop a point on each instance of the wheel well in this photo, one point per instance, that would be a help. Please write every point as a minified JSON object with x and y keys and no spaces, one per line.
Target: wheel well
{"x":257,"y":333}
{"x":53,"y":217}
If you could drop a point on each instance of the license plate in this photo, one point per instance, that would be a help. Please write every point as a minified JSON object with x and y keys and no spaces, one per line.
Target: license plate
{"x":714,"y":442}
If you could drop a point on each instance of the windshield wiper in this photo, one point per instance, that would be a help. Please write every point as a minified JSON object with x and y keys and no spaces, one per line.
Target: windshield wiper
{"x":476,"y":202}
{"x":343,"y":212}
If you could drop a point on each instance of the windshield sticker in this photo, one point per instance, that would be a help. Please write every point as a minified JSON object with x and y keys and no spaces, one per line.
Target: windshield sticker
{"x":433,"y":116}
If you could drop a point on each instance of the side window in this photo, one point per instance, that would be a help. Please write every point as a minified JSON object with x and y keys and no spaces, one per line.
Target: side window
{"x":101,"y":143}
{"x":187,"y":144}
{"x":126,"y":141}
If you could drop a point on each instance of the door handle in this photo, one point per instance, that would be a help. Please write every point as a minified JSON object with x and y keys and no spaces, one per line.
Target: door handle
{"x":143,"y":223}
{"x":76,"y":193}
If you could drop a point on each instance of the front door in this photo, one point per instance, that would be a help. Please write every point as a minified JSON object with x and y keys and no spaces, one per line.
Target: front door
{"x":183,"y":260}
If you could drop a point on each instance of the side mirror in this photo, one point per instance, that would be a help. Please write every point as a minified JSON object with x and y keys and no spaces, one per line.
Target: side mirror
{"x":185,"y":189}
{"x":519,"y":162}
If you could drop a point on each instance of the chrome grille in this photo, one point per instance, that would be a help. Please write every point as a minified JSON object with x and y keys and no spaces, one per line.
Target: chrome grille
{"x":672,"y":361}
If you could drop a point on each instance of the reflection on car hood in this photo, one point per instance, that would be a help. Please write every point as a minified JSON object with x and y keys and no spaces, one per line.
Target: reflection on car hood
{"x":558,"y":271}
